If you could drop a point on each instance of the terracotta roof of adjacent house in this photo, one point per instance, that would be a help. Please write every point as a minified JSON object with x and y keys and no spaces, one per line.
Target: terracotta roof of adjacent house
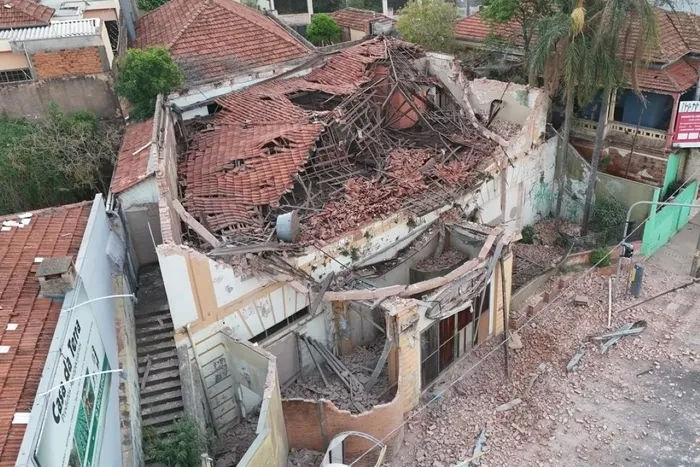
{"x":676,"y":31}
{"x":359,"y":20}
{"x":132,"y":161}
{"x":474,"y":28}
{"x":23,"y":13}
{"x":671,"y":45}
{"x":688,"y":25}
{"x":677,"y":77}
{"x":52,"y":232}
{"x":261,"y":139}
{"x":213,"y":38}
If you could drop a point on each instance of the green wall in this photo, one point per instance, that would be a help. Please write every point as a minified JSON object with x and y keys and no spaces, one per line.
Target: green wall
{"x":665,"y":222}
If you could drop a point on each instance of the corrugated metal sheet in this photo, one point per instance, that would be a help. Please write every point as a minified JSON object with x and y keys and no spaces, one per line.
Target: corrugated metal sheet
{"x":55,"y":30}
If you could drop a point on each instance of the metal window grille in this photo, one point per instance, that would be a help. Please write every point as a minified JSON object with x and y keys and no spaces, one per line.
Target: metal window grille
{"x":15,"y":76}
{"x":113,"y":34}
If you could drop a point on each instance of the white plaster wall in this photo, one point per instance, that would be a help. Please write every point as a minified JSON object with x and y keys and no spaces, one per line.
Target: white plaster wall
{"x":94,"y":269}
{"x":142,"y":193}
{"x":229,"y":287}
{"x":178,"y":288}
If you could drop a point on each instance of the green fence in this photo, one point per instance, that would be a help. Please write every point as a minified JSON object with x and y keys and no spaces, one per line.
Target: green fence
{"x":663,"y":223}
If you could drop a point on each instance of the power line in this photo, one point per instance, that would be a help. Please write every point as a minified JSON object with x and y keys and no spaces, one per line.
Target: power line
{"x":503,"y":342}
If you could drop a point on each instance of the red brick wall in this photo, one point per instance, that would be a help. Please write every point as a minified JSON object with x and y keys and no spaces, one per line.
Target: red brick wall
{"x":67,"y":62}
{"x":312,"y":424}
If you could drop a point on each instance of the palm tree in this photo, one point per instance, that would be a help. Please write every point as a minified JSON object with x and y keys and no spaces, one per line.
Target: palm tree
{"x":610,"y":30}
{"x":560,"y":53}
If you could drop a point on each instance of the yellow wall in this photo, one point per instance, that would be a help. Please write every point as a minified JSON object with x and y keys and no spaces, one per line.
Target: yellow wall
{"x":498,"y":309}
{"x":12,"y":61}
{"x":270,"y":448}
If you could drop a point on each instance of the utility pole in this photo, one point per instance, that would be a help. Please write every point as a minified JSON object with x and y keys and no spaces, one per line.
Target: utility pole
{"x":696,"y":261}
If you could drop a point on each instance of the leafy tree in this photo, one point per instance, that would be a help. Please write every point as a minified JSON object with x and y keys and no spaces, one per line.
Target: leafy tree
{"x":429,"y":23}
{"x":148,"y":5}
{"x":559,"y":53}
{"x":145,"y":73}
{"x":615,"y":17}
{"x":323,"y":30}
{"x":59,"y":159}
{"x":526,"y":13}
{"x":182,"y":448}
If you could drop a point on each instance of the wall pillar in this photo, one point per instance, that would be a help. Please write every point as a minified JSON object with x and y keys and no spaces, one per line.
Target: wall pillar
{"x":129,"y":392}
{"x":342,"y":327}
{"x":310,"y":7}
{"x":498,"y":292}
{"x":403,"y":317}
{"x":672,"y":124}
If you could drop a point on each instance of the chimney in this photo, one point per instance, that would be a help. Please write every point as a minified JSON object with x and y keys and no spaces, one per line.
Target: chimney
{"x":56,"y":276}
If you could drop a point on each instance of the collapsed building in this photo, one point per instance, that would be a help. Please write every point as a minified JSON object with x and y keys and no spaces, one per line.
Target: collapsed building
{"x":332,"y":243}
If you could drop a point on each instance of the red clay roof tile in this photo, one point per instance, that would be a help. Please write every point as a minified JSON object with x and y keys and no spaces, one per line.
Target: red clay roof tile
{"x":213,"y":38}
{"x":23,"y":13}
{"x":474,"y":28}
{"x":132,"y":161}
{"x":51,"y":232}
{"x":677,"y":77}
{"x":261,"y":139}
{"x":674,"y":31}
{"x":359,"y":20}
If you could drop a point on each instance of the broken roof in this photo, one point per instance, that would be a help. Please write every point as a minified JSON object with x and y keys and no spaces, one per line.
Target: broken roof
{"x":359,"y":20}
{"x":24,"y":13}
{"x":132,"y":161}
{"x":210,"y":39}
{"x":340,"y":145}
{"x":52,"y":232}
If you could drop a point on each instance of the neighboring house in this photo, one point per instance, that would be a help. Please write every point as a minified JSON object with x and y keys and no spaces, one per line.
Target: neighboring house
{"x":645,"y":129}
{"x":220,"y":46}
{"x":357,"y":24}
{"x":134,"y":191}
{"x":64,"y":56}
{"x":61,"y":353}
{"x":336,"y":174}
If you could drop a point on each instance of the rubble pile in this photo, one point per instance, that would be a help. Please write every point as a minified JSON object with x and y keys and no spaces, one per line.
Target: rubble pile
{"x":445,"y":432}
{"x":304,"y":458}
{"x":233,"y":444}
{"x":448,"y":258}
{"x":505,"y":129}
{"x":361,"y":362}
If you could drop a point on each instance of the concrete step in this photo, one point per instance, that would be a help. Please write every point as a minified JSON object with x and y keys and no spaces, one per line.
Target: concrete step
{"x":162,"y":419}
{"x":157,"y":358}
{"x":162,"y":376}
{"x":154,"y":329}
{"x":155,"y":400}
{"x":163,"y":336}
{"x":162,"y":408}
{"x":142,"y":309}
{"x":160,"y":365}
{"x":160,"y":388}
{"x":154,"y":320}
{"x":156,"y":348}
